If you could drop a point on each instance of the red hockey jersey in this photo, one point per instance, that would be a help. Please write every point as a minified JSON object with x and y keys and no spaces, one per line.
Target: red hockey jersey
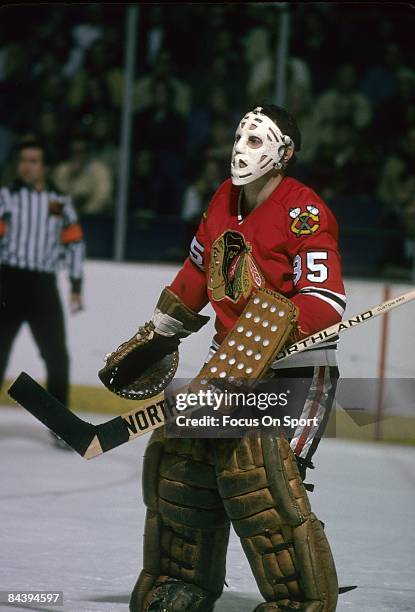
{"x":288,"y":244}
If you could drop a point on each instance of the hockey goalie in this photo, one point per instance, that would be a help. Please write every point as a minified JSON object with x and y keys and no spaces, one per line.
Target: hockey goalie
{"x":262,"y":231}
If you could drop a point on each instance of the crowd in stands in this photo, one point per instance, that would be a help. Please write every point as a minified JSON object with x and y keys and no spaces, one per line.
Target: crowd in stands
{"x":350,"y":84}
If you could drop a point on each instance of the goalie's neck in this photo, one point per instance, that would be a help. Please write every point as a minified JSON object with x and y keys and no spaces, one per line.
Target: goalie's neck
{"x":255,"y":193}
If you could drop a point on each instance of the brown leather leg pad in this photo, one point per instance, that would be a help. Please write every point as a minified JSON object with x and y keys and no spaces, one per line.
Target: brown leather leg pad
{"x":187,"y":530}
{"x":142,"y":587}
{"x":286,"y":547}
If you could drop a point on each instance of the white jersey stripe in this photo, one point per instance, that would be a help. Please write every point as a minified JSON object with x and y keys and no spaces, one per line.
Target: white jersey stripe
{"x":326,"y":299}
{"x":23,"y":227}
{"x":43,"y":212}
{"x":315,"y":406}
{"x":339,"y":295}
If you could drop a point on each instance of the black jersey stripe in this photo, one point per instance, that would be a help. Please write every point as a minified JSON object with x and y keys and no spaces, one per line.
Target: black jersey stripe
{"x":31,"y":243}
{"x":328,"y":294}
{"x":18,"y":221}
{"x":43,"y":230}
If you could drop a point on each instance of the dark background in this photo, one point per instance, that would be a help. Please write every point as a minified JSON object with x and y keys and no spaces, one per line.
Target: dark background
{"x":350,"y":83}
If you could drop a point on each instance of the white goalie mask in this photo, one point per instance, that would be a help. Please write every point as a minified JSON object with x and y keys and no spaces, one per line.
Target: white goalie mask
{"x":250,"y":163}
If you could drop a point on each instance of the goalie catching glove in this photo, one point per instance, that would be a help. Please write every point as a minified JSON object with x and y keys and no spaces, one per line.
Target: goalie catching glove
{"x":144,"y":365}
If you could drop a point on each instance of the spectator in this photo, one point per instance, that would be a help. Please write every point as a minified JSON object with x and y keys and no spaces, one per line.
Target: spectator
{"x":96,"y":101}
{"x":46,"y":66}
{"x":52,"y":89}
{"x":143,"y":192}
{"x":260,"y":65}
{"x":103,"y":134}
{"x":198,"y":193}
{"x":301,"y":106}
{"x":6,"y":142}
{"x":52,"y":131}
{"x":162,"y":130}
{"x":45,"y":34}
{"x":346,"y":167}
{"x":217,"y":72}
{"x":197,"y":196}
{"x":396,"y":190}
{"x":98,"y":82}
{"x":342,"y":102}
{"x":396,"y":187}
{"x":74,"y":82}
{"x":214,"y":108}
{"x":187,"y":47}
{"x":225,"y":45}
{"x":408,"y":223}
{"x":155,"y":34}
{"x":163,"y":71}
{"x":314,"y":41}
{"x":260,"y":56}
{"x":159,"y":125}
{"x":218,"y":147}
{"x":87,"y":180}
{"x":393,"y":118}
{"x":16,"y":89}
{"x":299,"y":75}
{"x":381,"y":81}
{"x":84,"y":34}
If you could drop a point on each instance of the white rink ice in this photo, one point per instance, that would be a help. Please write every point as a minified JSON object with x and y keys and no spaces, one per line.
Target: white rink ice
{"x":74,"y":525}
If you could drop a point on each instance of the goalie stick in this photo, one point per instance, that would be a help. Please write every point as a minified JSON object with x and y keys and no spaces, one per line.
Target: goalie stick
{"x":92,"y":440}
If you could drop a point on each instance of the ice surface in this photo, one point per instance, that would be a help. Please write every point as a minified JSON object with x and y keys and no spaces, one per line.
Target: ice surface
{"x":74,"y":525}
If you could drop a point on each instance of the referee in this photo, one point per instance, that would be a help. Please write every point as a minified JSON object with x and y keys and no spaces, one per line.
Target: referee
{"x":39,"y":231}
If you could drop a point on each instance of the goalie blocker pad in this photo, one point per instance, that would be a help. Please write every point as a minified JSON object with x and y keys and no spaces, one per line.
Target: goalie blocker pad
{"x":262,"y":330}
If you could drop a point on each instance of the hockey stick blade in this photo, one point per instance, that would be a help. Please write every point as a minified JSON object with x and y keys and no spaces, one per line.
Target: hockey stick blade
{"x":47,"y":409}
{"x":85,"y":438}
{"x":82,"y":436}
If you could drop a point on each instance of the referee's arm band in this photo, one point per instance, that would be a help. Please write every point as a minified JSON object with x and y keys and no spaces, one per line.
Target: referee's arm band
{"x":72,"y":233}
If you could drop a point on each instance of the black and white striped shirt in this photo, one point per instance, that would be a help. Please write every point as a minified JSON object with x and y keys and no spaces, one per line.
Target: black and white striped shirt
{"x":39,"y":231}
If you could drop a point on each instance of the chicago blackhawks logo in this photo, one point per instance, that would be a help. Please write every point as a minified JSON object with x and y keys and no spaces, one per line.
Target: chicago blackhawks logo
{"x":232,"y":270}
{"x":305,"y":222}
